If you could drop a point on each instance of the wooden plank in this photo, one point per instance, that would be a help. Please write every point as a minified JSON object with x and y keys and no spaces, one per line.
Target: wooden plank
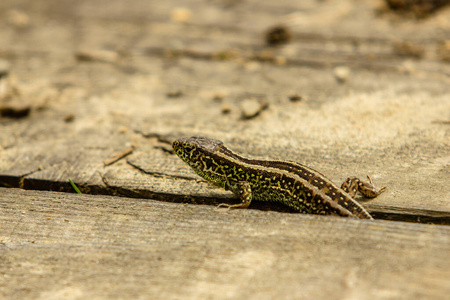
{"x":170,"y":77}
{"x":56,"y":245}
{"x":153,"y":174}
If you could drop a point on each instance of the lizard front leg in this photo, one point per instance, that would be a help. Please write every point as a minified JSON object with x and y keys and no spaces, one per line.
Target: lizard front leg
{"x":245,"y":195}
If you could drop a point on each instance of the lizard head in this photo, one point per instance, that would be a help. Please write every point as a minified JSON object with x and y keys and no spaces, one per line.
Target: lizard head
{"x":197,"y":152}
{"x":189,"y":149}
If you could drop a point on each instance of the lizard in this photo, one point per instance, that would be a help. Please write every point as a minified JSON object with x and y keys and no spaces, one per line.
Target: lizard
{"x":292,"y":184}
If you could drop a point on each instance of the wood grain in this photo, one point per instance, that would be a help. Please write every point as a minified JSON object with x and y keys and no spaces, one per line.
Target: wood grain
{"x":56,"y":244}
{"x":355,"y":91}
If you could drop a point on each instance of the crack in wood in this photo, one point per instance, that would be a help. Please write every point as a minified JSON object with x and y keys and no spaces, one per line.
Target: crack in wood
{"x":387,"y":62}
{"x":412,"y":218}
{"x":162,"y":138}
{"x":12,"y":181}
{"x":161,"y":175}
{"x":378,"y":211}
{"x":118,"y":156}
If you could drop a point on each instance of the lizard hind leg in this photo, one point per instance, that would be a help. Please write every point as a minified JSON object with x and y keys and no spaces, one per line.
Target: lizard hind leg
{"x":245,"y":195}
{"x":367,"y":189}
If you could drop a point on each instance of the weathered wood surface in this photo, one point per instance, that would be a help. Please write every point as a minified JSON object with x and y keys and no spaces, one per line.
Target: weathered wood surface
{"x":356,"y":91}
{"x":59,"y":245}
{"x":175,"y":72}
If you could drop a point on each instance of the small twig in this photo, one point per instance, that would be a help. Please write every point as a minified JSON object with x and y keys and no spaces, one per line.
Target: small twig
{"x":118,"y":156}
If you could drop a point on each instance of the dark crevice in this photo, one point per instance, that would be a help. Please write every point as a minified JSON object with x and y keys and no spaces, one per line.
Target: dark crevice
{"x":62,"y":186}
{"x":12,"y":181}
{"x":416,"y":218}
{"x":408,"y":215}
{"x":378,"y":212}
